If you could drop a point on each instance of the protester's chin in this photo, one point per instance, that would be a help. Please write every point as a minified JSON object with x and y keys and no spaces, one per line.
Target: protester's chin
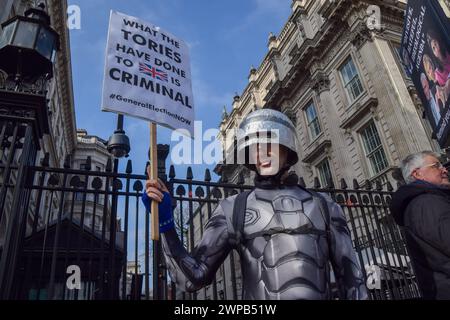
{"x":268,"y":171}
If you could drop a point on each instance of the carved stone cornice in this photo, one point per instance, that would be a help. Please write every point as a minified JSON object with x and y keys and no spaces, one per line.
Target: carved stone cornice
{"x":320,"y":82}
{"x":331,"y":8}
{"x":317,"y":149}
{"x":273,"y":91}
{"x":361,"y":35}
{"x":359,"y":111}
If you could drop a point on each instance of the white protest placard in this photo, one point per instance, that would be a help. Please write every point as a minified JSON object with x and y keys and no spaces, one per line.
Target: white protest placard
{"x":147,"y":74}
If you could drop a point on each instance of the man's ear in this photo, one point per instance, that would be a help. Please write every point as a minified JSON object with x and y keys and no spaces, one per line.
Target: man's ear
{"x":416,"y":174}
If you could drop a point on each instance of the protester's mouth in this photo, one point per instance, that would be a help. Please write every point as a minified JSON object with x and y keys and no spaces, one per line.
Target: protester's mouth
{"x":265,"y":164}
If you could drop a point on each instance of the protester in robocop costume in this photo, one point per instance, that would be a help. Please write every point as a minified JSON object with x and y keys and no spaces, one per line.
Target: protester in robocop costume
{"x":288,"y":234}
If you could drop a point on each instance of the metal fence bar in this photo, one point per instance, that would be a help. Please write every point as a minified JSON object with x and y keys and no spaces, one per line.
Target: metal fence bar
{"x":56,"y":242}
{"x":209,"y":213}
{"x":391,"y":227}
{"x":82,"y":217}
{"x":125,"y":237}
{"x":28,"y":266}
{"x":75,"y":183}
{"x":102,"y":294}
{"x":378,"y":230}
{"x":376,"y":238}
{"x":7,"y":170}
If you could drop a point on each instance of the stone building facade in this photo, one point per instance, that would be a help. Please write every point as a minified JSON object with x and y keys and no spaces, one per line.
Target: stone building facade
{"x":335,"y":70}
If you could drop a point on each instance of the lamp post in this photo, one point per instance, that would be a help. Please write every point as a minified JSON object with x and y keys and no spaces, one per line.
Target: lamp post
{"x":28,"y":47}
{"x":118,"y":147}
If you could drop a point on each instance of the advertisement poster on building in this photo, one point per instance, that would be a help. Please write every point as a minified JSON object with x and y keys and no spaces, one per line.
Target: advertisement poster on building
{"x":445,"y":4}
{"x":426,"y":54}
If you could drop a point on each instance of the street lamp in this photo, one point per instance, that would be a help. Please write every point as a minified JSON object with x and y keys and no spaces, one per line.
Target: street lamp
{"x":28,"y":45}
{"x":27,"y":49}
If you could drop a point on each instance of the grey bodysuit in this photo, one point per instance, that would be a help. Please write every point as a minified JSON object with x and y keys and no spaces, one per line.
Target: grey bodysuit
{"x":284,"y":251}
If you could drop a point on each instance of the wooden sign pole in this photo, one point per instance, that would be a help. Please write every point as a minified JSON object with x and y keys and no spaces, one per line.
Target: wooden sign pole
{"x":154,"y":176}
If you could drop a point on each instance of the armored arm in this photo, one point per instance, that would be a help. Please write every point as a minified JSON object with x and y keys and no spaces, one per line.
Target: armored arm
{"x":348,"y":273}
{"x":196,"y":270}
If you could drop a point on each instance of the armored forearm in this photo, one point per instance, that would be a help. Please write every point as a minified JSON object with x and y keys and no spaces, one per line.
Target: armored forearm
{"x":194,"y":271}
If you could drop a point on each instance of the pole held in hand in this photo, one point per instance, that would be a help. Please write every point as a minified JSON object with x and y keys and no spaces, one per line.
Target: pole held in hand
{"x":153,"y":175}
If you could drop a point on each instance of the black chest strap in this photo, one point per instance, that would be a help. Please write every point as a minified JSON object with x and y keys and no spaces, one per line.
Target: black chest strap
{"x":238,"y":218}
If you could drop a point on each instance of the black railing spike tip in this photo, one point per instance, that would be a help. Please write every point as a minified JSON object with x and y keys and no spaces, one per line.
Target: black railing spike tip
{"x":172,"y":172}
{"x":88,"y":163}
{"x":129,"y":168}
{"x":389,"y":187}
{"x":45,"y":162}
{"x":138,"y":186}
{"x":53,"y":180}
{"x":117,"y":185}
{"x":189,"y":175}
{"x":356,"y":185}
{"x":207,"y":175}
{"x":330,"y":185}
{"x":109,"y":167}
{"x":301,"y":182}
{"x":224,"y":179}
{"x":368,"y":185}
{"x":180,"y":191}
{"x":343,"y":184}
{"x":378,"y":185}
{"x":240,"y":180}
{"x":316,"y":183}
{"x":146,"y":168}
{"x":74,"y":181}
{"x":199,"y":192}
{"x":97,"y":183}
{"x":67,"y":162}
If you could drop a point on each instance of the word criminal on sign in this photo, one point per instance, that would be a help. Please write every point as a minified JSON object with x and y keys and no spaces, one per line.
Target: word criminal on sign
{"x":147,"y":75}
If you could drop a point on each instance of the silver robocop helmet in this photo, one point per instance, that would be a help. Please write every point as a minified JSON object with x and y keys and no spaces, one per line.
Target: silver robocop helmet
{"x":267,"y":126}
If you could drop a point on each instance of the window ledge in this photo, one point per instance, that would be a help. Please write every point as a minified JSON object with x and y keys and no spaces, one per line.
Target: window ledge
{"x":316,"y":149}
{"x":358,"y":109}
{"x":317,"y":138}
{"x":383,"y":172}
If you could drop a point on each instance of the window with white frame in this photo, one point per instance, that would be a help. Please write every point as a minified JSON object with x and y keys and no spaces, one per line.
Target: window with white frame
{"x":313,"y":121}
{"x":374,"y":149}
{"x":352,"y":82}
{"x":324,"y":170}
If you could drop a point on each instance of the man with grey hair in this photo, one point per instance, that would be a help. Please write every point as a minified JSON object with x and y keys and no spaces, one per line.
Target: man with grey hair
{"x":422,"y":208}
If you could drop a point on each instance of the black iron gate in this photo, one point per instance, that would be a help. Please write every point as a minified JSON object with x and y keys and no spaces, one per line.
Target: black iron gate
{"x":84,"y":234}
{"x":377,"y":239}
